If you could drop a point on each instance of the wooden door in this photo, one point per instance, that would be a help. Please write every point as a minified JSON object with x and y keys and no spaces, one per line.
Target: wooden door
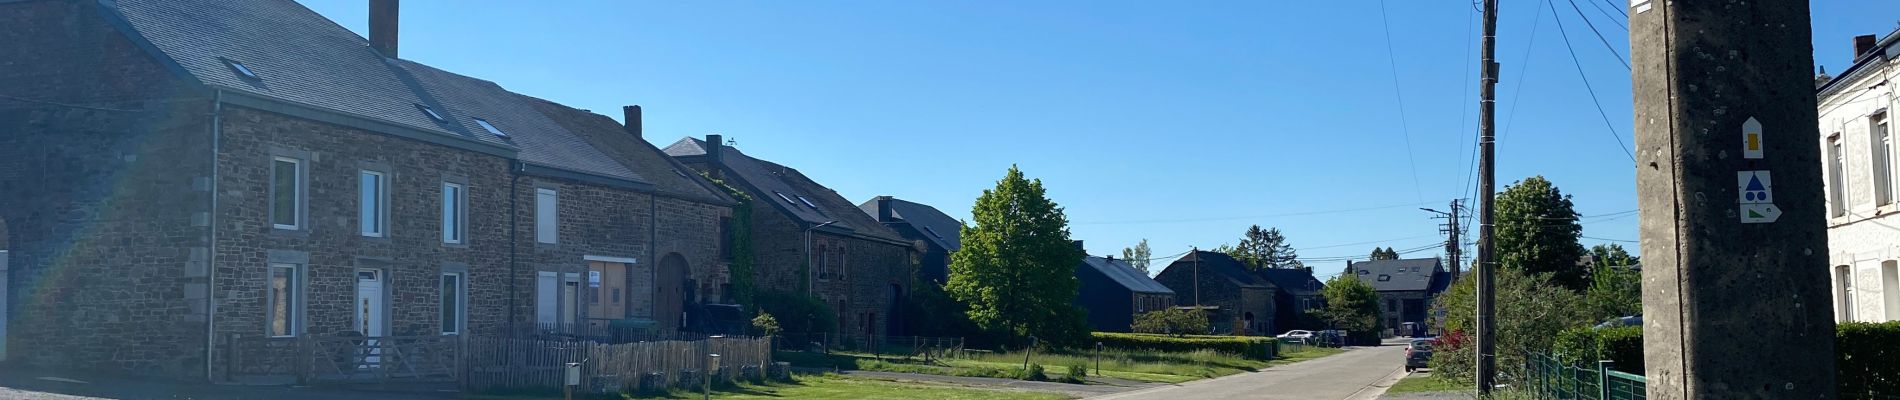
{"x":606,"y":293}
{"x":669,"y":307}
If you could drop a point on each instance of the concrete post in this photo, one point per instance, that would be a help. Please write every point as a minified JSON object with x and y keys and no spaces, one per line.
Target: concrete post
{"x":1729,"y":265}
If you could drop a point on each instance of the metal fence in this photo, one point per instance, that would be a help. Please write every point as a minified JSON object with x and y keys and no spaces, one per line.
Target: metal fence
{"x":1551,"y":378}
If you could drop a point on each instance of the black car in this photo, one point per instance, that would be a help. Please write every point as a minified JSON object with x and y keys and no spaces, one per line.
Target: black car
{"x":1418,"y":354}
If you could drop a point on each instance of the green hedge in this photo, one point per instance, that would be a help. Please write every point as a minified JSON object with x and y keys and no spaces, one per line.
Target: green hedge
{"x":1259,"y":348}
{"x":1867,"y":359}
{"x":1585,"y":346}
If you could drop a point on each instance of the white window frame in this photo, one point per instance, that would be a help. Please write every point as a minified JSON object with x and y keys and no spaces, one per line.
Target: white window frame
{"x":1836,"y":177}
{"x":547,"y":216}
{"x":379,"y":226}
{"x":1889,"y":287}
{"x":461,"y":303}
{"x":295,"y":296}
{"x":1880,"y":136}
{"x":1844,"y":292}
{"x":297,"y":193}
{"x":454,"y":213}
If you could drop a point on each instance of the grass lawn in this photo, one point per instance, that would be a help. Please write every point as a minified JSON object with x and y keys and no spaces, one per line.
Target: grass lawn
{"x":1416,"y":383}
{"x":1146,"y":366}
{"x":826,"y":387}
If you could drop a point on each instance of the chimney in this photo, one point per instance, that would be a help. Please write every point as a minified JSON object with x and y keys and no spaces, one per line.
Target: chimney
{"x":884,"y":209}
{"x":1864,"y":44}
{"x":635,"y":125}
{"x":383,"y":21}
{"x":1078,"y":246}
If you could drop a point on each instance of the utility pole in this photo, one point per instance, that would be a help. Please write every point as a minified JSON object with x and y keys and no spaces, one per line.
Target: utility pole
{"x":1487,"y":182}
{"x":1451,"y":230}
{"x":1197,"y":277}
{"x":1728,"y":178}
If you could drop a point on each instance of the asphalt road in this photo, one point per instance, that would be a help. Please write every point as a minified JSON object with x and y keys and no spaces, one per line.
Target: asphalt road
{"x":1362,"y":373}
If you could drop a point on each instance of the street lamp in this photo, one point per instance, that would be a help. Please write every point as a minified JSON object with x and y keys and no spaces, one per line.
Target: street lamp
{"x":808,"y":261}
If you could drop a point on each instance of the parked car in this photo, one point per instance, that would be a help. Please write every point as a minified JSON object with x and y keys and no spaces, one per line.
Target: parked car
{"x":1418,"y":354}
{"x":1296,"y":335}
{"x":1330,"y":338}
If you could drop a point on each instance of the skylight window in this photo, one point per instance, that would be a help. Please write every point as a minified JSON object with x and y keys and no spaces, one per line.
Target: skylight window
{"x":807,"y":202}
{"x":788,"y":199}
{"x":431,"y":113}
{"x":240,"y":69}
{"x":490,"y":127}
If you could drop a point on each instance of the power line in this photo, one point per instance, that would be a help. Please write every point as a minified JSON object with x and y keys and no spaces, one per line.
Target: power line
{"x":1586,"y":84}
{"x":1618,"y":8}
{"x":1511,"y":119}
{"x":1599,"y":7}
{"x":1404,"y":125}
{"x":1593,"y":29}
{"x":1360,"y":243}
{"x":1610,"y":240}
{"x":1241,"y":217}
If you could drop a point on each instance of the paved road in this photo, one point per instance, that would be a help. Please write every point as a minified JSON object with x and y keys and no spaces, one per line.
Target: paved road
{"x":1362,"y":373}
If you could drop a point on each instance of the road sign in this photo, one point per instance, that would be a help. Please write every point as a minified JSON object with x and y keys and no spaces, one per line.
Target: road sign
{"x":1751,"y":139}
{"x":1754,"y":187}
{"x":1760,"y":213}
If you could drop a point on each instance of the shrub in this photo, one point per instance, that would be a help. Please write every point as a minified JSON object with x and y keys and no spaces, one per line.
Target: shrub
{"x":1259,"y":348}
{"x":1530,"y":313}
{"x":1076,"y":373}
{"x":799,"y":313}
{"x":1172,"y":321}
{"x":1622,"y":346}
{"x":1035,"y":373}
{"x":1866,"y":360}
{"x":765,"y":324}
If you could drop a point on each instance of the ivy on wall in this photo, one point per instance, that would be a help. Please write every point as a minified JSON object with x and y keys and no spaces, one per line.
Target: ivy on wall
{"x":739,"y":234}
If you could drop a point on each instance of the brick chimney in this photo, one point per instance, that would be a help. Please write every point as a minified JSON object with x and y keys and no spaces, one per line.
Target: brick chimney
{"x":635,"y":126}
{"x":1864,"y":44}
{"x":383,"y":21}
{"x":884,"y":209}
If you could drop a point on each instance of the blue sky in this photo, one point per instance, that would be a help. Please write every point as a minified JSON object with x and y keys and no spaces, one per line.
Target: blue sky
{"x":1180,"y":123}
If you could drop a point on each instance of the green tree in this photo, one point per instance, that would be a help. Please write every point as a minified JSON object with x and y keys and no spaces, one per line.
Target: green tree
{"x":1352,"y":305}
{"x":1138,"y":256}
{"x":1530,"y":314}
{"x":1384,"y":254}
{"x":1174,"y":321}
{"x":1615,"y":291}
{"x":1612,"y":255}
{"x":1264,"y":248}
{"x":1016,"y":271}
{"x":1537,"y":232}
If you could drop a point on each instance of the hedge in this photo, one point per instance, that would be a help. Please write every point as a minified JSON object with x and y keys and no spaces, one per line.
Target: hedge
{"x":1623,"y":346}
{"x":1867,"y":359}
{"x":1259,"y":348}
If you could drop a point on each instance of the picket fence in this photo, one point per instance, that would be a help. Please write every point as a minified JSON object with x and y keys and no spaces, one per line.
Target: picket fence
{"x":496,"y":364}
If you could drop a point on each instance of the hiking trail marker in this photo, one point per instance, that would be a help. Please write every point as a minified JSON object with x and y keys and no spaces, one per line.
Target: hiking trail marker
{"x":1751,"y":139}
{"x":1757,"y":197}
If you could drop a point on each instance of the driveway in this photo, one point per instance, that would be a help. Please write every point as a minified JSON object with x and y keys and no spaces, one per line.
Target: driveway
{"x":1360,"y":373}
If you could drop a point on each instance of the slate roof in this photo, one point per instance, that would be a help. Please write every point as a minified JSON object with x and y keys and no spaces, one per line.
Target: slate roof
{"x":788,"y":190}
{"x":1417,"y":274}
{"x":655,"y":167}
{"x":1126,"y":275}
{"x":299,"y":56}
{"x":937,"y":227}
{"x":1299,"y":282}
{"x":1220,"y":263}
{"x":541,"y":140}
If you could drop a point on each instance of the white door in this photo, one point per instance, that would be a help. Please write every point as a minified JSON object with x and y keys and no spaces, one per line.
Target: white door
{"x":370,"y":309}
{"x":546,"y":311}
{"x":570,"y":301}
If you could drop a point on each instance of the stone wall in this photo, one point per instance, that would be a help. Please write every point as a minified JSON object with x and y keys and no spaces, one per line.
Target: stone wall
{"x":1216,"y":290}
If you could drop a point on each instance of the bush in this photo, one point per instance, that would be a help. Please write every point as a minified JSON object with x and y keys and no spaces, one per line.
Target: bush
{"x":798,"y":313}
{"x":1035,"y":373}
{"x":1076,"y":373}
{"x":1622,"y":346}
{"x":1866,"y":360}
{"x":1258,"y":348}
{"x":1172,"y":321}
{"x":765,"y":325}
{"x":1530,"y":313}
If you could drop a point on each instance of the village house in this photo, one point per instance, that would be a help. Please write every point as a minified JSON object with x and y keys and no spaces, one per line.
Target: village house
{"x":919,"y":222}
{"x":1236,"y":300}
{"x":1406,"y":289}
{"x":1861,"y":175}
{"x":1114,"y":293}
{"x":808,"y":239}
{"x":179,"y":177}
{"x":1296,"y":294}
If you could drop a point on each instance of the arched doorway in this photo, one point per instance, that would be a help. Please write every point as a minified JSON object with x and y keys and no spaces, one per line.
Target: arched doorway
{"x":669,"y":294}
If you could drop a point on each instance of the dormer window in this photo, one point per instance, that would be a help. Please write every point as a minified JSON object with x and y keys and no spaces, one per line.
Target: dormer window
{"x":490,"y":127}
{"x":240,"y":69}
{"x":431,"y":113}
{"x":1384,"y":277}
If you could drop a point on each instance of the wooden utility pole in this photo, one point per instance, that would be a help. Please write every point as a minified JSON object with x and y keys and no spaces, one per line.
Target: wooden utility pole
{"x":1728,"y":173}
{"x":1487,"y":183}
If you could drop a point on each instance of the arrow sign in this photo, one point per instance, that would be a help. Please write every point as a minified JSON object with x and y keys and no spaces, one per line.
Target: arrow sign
{"x":1760,"y":213}
{"x":1751,"y":139}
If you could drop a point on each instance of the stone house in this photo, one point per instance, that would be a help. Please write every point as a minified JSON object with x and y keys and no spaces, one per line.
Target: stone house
{"x":919,"y":222}
{"x":808,"y":239}
{"x":1406,"y":287}
{"x":1237,"y":300}
{"x":1114,"y":293}
{"x":1296,"y":293}
{"x":1861,"y":175}
{"x":162,"y":194}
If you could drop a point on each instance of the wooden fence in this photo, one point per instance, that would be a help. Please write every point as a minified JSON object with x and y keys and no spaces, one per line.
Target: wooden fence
{"x":342,"y":359}
{"x":608,"y":368}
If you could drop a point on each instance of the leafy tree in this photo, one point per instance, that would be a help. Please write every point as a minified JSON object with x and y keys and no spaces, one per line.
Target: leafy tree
{"x":1612,"y":255}
{"x":1177,"y":322}
{"x":1263,"y":249}
{"x":1016,"y":271}
{"x":1138,"y":256}
{"x":1352,"y":305}
{"x":937,"y":314}
{"x":798,"y":312}
{"x":1530,"y":314}
{"x":1615,"y":291}
{"x":1384,"y":254}
{"x":1537,"y":232}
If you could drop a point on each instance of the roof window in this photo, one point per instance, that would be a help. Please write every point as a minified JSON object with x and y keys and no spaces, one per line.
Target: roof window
{"x":1384,"y":277}
{"x":240,"y":68}
{"x":788,"y":199}
{"x":807,"y":202}
{"x":490,"y":127}
{"x":431,"y":113}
